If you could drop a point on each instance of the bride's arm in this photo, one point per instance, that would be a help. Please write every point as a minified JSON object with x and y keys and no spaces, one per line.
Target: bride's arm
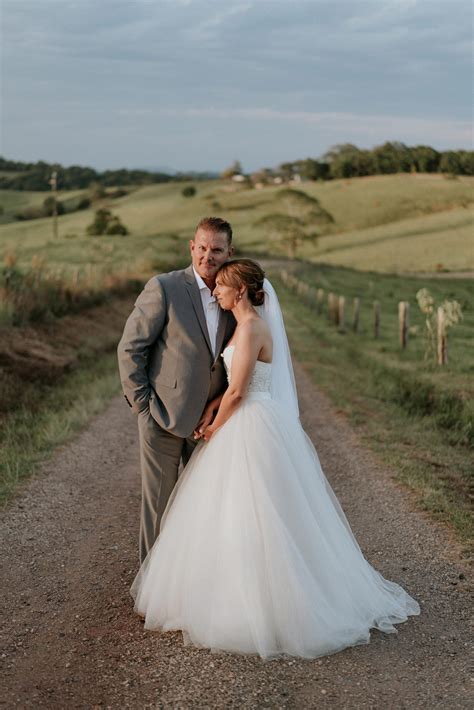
{"x":244,"y":358}
{"x":207,"y":416}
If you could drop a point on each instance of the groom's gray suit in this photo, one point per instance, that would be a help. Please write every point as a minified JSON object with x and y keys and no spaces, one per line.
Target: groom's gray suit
{"x":168,"y":372}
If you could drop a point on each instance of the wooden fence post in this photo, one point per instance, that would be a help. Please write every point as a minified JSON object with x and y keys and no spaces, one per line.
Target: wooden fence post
{"x":442,"y":339}
{"x":355,"y":314}
{"x":377,"y":319}
{"x":403,"y":318}
{"x":340,"y":313}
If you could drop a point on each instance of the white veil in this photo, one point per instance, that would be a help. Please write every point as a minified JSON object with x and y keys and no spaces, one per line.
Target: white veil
{"x":283,"y":387}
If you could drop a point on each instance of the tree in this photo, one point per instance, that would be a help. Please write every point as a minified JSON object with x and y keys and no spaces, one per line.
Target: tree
{"x":286,"y":171}
{"x":343,"y":159}
{"x":450,"y":163}
{"x":234,"y":169}
{"x":106,"y":223}
{"x":425,"y":159}
{"x":310,"y":169}
{"x":392,"y":157}
{"x":286,"y":232}
{"x":289,"y":231}
{"x":467,"y":162}
{"x":297,"y":203}
{"x":263,"y":176}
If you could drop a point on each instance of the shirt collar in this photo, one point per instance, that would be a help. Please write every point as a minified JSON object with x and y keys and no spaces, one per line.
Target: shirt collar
{"x":200,"y":282}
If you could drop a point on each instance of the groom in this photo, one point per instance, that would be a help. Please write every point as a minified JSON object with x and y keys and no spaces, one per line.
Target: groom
{"x":171,"y":369}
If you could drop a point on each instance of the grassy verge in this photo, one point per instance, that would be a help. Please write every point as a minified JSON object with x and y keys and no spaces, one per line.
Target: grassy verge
{"x":29,"y":436}
{"x":432,"y":460}
{"x":56,"y":372}
{"x":54,"y":376}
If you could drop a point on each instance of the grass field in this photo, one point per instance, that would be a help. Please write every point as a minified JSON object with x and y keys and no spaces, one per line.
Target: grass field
{"x":393,"y":224}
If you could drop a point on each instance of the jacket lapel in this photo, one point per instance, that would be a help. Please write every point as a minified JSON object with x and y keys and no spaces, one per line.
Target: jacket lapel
{"x":193,"y":290}
{"x":224,"y":321}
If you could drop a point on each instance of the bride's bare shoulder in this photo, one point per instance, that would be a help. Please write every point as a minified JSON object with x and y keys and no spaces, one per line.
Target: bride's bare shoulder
{"x":255,"y":328}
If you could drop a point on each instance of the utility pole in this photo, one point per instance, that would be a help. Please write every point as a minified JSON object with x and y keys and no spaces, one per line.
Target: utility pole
{"x":54,"y":189}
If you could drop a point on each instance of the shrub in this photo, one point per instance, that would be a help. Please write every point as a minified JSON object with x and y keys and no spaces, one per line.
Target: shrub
{"x":30,"y":213}
{"x":106,"y":223}
{"x":188,"y":191}
{"x":83,"y":203}
{"x":48,"y":206}
{"x":119,"y":192}
{"x":115,"y":226}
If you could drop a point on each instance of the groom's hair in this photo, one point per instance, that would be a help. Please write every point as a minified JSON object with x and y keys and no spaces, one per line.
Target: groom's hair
{"x":216,"y":225}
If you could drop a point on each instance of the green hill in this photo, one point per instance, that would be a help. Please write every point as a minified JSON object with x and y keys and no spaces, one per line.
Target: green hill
{"x":393,"y":223}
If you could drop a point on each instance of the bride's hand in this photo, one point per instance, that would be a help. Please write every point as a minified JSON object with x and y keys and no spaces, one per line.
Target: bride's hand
{"x":208,"y":433}
{"x":206,"y":419}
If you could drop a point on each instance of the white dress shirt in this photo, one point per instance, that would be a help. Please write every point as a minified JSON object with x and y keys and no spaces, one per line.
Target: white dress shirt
{"x":211,"y":310}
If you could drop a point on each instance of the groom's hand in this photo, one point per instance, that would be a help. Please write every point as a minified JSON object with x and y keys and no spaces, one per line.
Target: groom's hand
{"x":208,"y":433}
{"x":206,"y":419}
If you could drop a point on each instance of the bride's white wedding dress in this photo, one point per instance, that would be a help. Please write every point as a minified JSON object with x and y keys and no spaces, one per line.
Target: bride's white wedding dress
{"x":255,"y":554}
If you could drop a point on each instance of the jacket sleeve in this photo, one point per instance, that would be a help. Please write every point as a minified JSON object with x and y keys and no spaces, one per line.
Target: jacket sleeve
{"x":142,"y":328}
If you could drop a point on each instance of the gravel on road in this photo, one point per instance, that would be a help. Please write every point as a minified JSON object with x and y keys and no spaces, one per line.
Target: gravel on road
{"x":70,"y":638}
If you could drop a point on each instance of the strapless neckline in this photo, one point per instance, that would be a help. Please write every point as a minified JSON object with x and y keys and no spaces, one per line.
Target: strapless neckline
{"x":232,"y":347}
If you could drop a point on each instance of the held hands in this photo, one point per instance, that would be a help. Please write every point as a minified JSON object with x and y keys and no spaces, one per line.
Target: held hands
{"x":203,"y":425}
{"x":204,"y":433}
{"x":204,"y":430}
{"x":207,"y":434}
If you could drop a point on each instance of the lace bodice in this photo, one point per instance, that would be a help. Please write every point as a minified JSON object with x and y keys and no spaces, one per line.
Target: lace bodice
{"x":261,"y":378}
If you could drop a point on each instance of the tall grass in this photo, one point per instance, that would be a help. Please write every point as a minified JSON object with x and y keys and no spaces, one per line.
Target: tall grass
{"x":39,"y":293}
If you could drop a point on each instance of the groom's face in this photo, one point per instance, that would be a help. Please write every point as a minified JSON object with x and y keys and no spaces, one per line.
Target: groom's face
{"x":209,"y":250}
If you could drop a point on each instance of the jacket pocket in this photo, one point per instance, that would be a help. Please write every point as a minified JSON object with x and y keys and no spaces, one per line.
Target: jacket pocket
{"x":166,"y":381}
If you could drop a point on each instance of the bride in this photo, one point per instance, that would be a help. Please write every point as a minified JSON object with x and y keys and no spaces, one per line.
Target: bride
{"x":255,"y":554}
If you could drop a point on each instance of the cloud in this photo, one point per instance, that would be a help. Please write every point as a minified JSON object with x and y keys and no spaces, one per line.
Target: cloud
{"x":358,"y":67}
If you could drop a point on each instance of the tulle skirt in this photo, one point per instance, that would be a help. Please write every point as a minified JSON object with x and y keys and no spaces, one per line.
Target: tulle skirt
{"x":255,"y":554}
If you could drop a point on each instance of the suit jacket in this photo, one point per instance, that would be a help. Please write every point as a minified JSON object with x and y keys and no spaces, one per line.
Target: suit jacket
{"x":165,"y":356}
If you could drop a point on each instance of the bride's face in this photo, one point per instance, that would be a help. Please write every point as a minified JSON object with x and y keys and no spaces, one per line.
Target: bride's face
{"x":225,"y":295}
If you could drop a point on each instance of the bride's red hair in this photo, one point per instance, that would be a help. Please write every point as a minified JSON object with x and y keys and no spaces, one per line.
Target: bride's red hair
{"x":238,"y":272}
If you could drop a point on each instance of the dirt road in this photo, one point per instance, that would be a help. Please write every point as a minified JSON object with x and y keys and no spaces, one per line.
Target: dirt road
{"x":69,"y":553}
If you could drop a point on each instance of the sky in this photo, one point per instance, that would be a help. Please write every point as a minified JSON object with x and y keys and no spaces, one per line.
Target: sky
{"x":197,"y":84}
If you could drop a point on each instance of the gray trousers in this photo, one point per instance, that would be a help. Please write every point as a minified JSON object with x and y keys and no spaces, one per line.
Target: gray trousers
{"x":160,"y":456}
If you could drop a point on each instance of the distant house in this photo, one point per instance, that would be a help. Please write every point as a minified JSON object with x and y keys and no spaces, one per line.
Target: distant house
{"x":238,"y":178}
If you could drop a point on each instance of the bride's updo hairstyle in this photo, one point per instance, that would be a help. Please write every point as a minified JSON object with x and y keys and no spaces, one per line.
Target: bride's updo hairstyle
{"x":236,"y":272}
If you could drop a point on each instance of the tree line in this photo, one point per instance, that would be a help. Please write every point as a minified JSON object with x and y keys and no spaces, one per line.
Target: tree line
{"x":347,"y":160}
{"x":36,"y":176}
{"x":341,"y":161}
